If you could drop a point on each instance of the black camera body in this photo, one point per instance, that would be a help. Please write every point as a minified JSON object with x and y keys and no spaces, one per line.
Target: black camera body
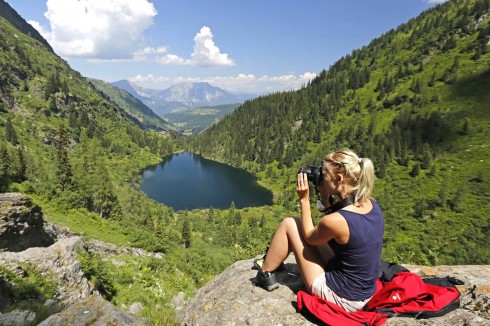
{"x":314,"y":174}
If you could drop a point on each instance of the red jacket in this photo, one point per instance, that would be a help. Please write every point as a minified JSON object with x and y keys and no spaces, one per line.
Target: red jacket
{"x":405,"y":295}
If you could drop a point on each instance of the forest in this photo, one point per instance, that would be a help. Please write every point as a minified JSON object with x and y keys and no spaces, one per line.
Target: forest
{"x":415,"y":101}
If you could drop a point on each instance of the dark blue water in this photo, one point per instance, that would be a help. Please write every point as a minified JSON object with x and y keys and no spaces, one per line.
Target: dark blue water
{"x":189,"y":181}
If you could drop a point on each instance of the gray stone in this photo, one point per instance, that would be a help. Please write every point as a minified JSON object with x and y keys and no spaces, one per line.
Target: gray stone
{"x":60,"y":262}
{"x":232,"y":299}
{"x":17,"y":318}
{"x":26,"y":239}
{"x":21,"y":224}
{"x":135,"y":308}
{"x":93,"y":311}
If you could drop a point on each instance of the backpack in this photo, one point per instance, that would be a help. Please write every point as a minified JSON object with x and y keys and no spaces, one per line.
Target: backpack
{"x":408,"y":295}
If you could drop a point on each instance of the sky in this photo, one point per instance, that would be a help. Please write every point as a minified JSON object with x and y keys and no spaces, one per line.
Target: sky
{"x":241,"y":46}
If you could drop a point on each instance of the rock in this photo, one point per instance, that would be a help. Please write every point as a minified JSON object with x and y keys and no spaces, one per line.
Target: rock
{"x":135,"y":308}
{"x":27,"y":240}
{"x":110,"y":249}
{"x":21,"y":224}
{"x":17,"y":318}
{"x":60,"y":262}
{"x":93,"y":311}
{"x":6,"y":295}
{"x":232,"y":299}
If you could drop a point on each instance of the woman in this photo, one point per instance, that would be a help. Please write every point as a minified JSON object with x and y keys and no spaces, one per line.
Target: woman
{"x":339,"y":258}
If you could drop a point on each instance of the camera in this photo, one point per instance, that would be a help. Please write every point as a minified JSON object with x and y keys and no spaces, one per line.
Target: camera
{"x":314,"y":174}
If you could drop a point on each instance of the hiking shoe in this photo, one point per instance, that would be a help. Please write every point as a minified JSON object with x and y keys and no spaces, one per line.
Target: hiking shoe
{"x":266,"y":280}
{"x":260,"y":261}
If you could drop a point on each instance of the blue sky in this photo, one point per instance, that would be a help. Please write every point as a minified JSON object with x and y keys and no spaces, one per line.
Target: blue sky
{"x":243,"y":46}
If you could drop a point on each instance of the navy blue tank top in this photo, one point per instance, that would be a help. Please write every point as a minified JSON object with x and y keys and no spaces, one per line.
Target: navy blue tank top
{"x":353,"y":271}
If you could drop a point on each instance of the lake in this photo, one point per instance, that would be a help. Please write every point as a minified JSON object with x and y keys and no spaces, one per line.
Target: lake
{"x":188,"y":181}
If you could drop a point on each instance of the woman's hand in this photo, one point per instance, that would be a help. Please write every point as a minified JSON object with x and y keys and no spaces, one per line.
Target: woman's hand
{"x":302,"y":187}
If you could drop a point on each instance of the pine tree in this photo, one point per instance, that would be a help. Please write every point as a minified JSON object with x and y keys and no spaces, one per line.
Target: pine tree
{"x":238,"y":219}
{"x":4,"y":167}
{"x":262,"y":221}
{"x":64,"y":173}
{"x":415,"y":170}
{"x":51,"y":86}
{"x":10,"y":134}
{"x":231,"y":214}
{"x":104,"y":200}
{"x":17,"y":169}
{"x":186,"y":232}
{"x":53,"y":107}
{"x":427,"y":157}
{"x":432,"y":81}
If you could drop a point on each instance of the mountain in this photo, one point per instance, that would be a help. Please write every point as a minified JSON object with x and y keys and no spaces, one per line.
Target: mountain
{"x":62,"y":139}
{"x":136,"y":110}
{"x":7,"y":12}
{"x":194,"y":121}
{"x":138,"y":92}
{"x":416,"y":101}
{"x":181,"y":96}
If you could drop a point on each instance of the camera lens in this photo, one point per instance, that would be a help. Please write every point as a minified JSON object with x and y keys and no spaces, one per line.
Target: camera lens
{"x":313,"y":173}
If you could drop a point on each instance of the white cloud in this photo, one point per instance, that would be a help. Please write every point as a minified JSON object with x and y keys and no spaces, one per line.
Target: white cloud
{"x":241,"y":83}
{"x":206,"y":53}
{"x":149,"y":79}
{"x":97,"y":29}
{"x":150,"y":50}
{"x":173,"y":59}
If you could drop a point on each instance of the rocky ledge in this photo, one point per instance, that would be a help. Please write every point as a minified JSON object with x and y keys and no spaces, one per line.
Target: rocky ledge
{"x":232,"y":299}
{"x":27,"y":240}
{"x":21,"y":224}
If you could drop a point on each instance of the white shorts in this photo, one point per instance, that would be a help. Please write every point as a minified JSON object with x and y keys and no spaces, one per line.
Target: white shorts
{"x":321,"y":289}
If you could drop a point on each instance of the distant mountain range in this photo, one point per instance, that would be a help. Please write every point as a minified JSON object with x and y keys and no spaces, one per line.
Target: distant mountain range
{"x":181,"y":96}
{"x":135,"y":110}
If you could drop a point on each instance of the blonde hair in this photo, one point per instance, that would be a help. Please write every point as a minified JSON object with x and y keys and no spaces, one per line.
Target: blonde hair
{"x":359,"y":172}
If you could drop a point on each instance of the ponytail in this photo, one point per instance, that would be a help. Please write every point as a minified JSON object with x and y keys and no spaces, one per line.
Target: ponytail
{"x":365,"y":180}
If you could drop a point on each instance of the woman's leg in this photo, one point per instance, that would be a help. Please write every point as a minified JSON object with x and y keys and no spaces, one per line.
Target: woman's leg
{"x":288,"y":238}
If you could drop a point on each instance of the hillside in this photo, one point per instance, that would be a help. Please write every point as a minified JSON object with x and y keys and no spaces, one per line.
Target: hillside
{"x":136,"y":110}
{"x":416,"y":101}
{"x":10,"y":15}
{"x":194,"y":121}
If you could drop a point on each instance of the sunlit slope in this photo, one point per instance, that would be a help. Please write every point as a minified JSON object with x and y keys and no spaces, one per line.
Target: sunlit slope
{"x":416,"y":100}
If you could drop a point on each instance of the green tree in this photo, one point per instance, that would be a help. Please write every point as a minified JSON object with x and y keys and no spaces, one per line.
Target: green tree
{"x":4,"y":167}
{"x":415,"y":169}
{"x":10,"y":134}
{"x":186,"y":232}
{"x":262,"y":221}
{"x":231,"y":214}
{"x":18,"y":166}
{"x":238,"y":219}
{"x":52,"y":86}
{"x":53,"y":107}
{"x":104,"y":201}
{"x":64,"y":172}
{"x":432,"y":80}
{"x":457,"y":202}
